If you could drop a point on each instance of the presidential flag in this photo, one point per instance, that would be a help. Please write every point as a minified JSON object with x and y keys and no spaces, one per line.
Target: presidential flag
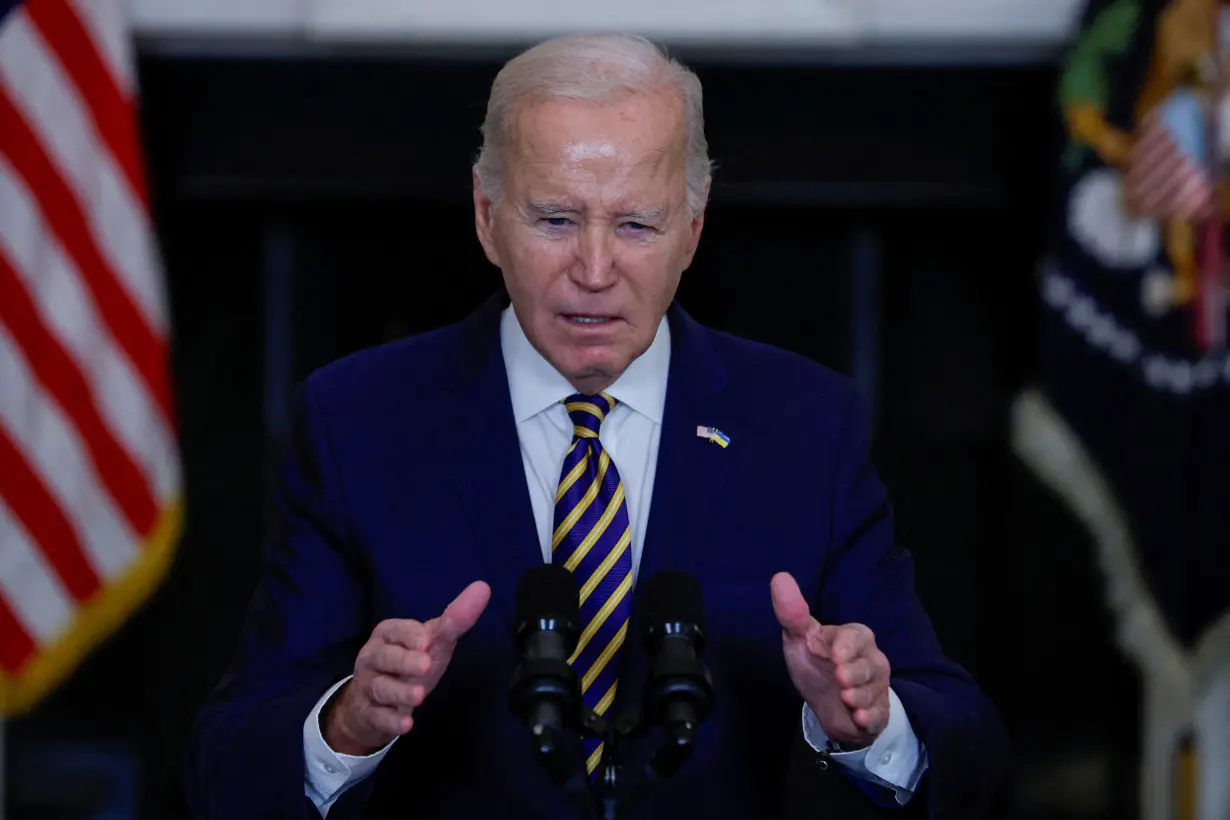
{"x":90,"y":481}
{"x":1129,"y":422}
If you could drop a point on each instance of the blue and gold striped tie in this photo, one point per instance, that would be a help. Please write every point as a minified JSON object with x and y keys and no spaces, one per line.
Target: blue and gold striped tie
{"x":592,"y":539}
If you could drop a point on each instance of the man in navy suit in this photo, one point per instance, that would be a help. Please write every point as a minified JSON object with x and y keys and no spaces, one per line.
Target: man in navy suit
{"x":582,"y":418}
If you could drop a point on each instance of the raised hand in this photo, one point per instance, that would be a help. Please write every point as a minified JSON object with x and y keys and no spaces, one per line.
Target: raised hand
{"x":838,"y":670}
{"x":395,"y":671}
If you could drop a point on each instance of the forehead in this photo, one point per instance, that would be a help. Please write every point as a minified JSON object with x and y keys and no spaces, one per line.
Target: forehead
{"x":635,"y":142}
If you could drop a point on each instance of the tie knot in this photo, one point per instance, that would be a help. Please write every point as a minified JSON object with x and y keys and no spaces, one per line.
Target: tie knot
{"x":588,"y":413}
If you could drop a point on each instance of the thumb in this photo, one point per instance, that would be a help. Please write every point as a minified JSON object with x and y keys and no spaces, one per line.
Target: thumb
{"x":790,"y":606}
{"x":459,"y":616}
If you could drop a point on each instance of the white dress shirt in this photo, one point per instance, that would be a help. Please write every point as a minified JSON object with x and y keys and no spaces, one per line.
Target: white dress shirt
{"x":630,"y":433}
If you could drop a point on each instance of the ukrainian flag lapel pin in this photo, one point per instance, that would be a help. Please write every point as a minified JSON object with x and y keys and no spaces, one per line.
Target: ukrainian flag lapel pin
{"x":713,"y":434}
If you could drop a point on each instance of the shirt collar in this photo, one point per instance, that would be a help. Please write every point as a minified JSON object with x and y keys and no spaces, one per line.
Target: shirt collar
{"x":535,"y":385}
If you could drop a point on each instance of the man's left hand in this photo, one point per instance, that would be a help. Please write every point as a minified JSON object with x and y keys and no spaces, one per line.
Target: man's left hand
{"x":838,"y":670}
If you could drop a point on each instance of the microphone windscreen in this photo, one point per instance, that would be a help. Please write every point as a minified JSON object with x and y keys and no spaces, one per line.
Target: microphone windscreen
{"x":671,"y":596}
{"x":548,"y":591}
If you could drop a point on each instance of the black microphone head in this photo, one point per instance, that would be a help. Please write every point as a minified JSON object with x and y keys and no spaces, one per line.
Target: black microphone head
{"x":672,"y":597}
{"x":545,"y":592}
{"x":545,"y":692}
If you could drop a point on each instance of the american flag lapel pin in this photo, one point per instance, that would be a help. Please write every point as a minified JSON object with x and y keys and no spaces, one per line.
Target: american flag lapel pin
{"x":713,"y":434}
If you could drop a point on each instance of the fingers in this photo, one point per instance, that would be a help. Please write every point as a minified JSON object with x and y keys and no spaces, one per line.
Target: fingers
{"x":392,"y":659}
{"x":409,"y":634}
{"x":863,"y":677}
{"x":790,"y":606}
{"x":461,"y":614}
{"x":874,"y":720}
{"x":820,"y":641}
{"x":397,"y":694}
{"x":853,"y":673}
{"x":851,"y":641}
{"x":388,"y":721}
{"x":396,"y":670}
{"x":860,"y":697}
{"x":858,"y":663}
{"x":457,"y":619}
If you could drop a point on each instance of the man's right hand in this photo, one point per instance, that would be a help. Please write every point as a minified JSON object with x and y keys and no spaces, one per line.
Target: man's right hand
{"x":396,"y":669}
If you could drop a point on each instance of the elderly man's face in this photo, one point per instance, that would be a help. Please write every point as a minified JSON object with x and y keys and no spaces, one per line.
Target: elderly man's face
{"x":593,"y":229}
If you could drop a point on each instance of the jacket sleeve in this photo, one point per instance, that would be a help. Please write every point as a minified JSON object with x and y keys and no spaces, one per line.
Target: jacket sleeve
{"x":304,"y":628}
{"x":868,"y":578}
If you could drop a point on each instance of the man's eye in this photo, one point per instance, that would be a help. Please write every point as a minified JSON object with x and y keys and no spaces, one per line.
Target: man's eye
{"x":558,"y":221}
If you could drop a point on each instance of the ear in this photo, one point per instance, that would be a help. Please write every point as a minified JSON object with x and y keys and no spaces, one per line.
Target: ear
{"x":698,"y":225}
{"x":484,"y":220}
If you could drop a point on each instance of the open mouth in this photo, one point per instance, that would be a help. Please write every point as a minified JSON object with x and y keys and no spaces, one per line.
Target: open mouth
{"x":586,"y":319}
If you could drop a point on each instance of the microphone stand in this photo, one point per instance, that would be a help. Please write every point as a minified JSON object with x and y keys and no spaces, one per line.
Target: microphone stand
{"x":547,"y":695}
{"x":607,"y":798}
{"x":618,"y":797}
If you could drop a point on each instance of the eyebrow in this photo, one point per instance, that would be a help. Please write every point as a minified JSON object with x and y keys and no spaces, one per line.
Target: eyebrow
{"x":547,"y":208}
{"x":651,"y":214}
{"x":550,"y":208}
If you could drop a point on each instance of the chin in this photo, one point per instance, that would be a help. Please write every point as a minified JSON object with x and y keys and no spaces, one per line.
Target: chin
{"x":585,"y":367}
{"x":580,"y":368}
{"x":599,"y":359}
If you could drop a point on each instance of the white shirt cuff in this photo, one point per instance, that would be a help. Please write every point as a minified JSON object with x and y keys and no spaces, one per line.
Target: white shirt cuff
{"x":896,"y":760}
{"x":328,"y":774}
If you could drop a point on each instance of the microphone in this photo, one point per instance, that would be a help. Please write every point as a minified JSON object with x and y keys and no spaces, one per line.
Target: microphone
{"x":680,"y":693}
{"x":545,"y":693}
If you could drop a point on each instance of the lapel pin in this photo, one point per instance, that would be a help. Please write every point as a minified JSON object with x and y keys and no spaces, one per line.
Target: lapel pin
{"x":713,"y":434}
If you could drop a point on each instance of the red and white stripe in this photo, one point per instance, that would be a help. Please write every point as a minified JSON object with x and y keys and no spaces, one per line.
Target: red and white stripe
{"x":88,"y":455}
{"x":1163,"y":182}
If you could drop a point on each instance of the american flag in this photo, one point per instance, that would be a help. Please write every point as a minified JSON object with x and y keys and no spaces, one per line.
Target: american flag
{"x":89,"y":460}
{"x":1164,"y":180}
{"x":1170,"y":177}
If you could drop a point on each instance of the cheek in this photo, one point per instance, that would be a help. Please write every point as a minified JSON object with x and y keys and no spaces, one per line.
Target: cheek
{"x":654,"y":271}
{"x":535,"y":263}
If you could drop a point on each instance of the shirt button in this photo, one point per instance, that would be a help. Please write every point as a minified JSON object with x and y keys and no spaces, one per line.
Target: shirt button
{"x":886,"y":758}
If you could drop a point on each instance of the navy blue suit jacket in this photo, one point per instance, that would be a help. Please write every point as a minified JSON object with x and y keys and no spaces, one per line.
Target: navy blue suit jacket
{"x":404,"y":483}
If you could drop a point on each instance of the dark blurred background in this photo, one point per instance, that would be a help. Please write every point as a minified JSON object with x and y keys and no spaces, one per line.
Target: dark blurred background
{"x":882,"y":215}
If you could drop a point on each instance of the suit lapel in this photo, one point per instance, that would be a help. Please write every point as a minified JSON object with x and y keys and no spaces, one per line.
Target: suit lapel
{"x":691,"y":479}
{"x":692,"y":472}
{"x":480,"y":446}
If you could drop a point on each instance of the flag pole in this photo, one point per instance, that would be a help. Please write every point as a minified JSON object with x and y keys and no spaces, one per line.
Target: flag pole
{"x":1211,"y":301}
{"x":3,"y":760}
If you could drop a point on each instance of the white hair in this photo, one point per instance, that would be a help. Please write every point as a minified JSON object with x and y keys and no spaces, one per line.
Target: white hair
{"x":594,"y":68}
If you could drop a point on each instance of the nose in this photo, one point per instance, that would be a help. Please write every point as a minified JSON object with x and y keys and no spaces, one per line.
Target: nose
{"x":595,"y":268}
